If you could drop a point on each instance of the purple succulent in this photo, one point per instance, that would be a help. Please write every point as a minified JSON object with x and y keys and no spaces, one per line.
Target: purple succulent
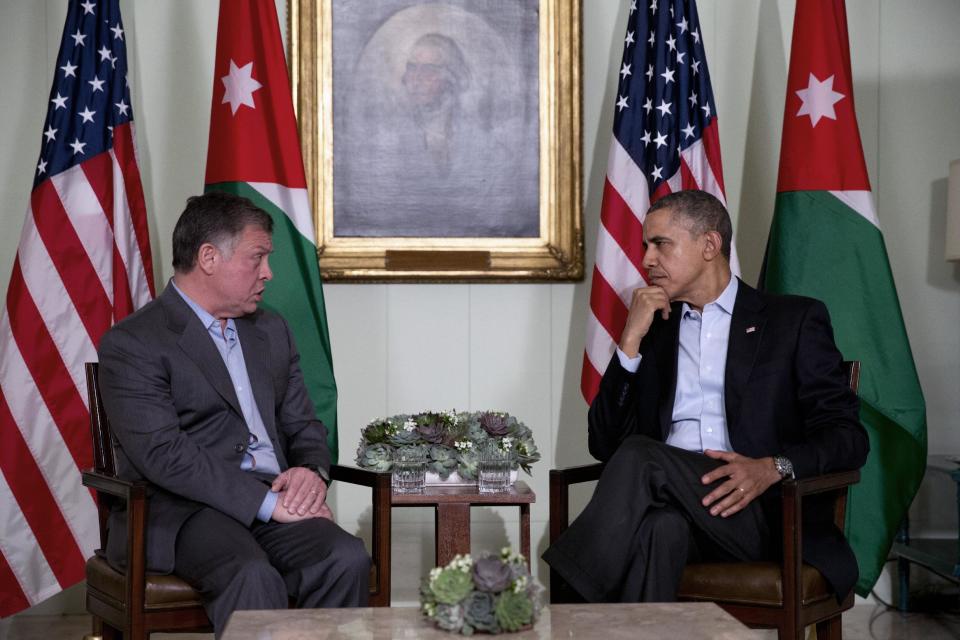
{"x":491,"y":574}
{"x":432,"y":431}
{"x":495,"y":424}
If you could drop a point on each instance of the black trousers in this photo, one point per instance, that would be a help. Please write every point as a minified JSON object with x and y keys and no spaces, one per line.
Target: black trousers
{"x":234,"y":567}
{"x":645,"y":521}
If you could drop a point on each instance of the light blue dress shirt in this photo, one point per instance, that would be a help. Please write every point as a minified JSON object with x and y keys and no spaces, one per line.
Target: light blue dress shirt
{"x":699,"y":419}
{"x":259,"y":454}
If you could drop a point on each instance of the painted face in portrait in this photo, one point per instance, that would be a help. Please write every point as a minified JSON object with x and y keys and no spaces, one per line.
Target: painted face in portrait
{"x":435,"y":73}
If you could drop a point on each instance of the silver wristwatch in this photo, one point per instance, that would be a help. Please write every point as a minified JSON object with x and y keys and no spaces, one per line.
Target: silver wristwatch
{"x":784,"y":467}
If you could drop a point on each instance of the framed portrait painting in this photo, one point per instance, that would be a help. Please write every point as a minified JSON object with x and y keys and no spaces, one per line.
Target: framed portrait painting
{"x":441,"y":138}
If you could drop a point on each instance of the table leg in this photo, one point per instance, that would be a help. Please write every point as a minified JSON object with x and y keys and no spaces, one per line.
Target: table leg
{"x":452,"y":527}
{"x":525,"y":533}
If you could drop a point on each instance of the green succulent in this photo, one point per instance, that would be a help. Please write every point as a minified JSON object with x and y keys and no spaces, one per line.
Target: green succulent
{"x":449,"y":616}
{"x":513,"y":610}
{"x":450,"y":586}
{"x":378,"y":457}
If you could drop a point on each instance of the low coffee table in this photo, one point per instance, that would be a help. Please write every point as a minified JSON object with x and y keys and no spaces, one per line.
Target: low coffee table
{"x":452,"y":518}
{"x":687,"y":620}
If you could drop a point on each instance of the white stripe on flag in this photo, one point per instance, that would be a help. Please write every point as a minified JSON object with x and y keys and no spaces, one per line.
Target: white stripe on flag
{"x":695,"y":157}
{"x":22,"y":551}
{"x":126,"y":239}
{"x":294,"y":202}
{"x":45,"y":442}
{"x":600,"y":345}
{"x":89,"y":221}
{"x":616,"y":268}
{"x":628,"y":180}
{"x":54,"y":304}
{"x":861,"y":202}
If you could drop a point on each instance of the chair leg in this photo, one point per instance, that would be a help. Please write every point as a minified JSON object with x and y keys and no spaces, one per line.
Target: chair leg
{"x":830,"y":629}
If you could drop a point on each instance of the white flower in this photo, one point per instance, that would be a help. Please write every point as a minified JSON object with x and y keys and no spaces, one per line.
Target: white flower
{"x":409,"y":425}
{"x":463,"y":445}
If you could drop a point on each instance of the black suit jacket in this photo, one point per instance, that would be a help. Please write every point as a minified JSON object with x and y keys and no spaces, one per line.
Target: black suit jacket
{"x":785,"y":394}
{"x":177,"y":421}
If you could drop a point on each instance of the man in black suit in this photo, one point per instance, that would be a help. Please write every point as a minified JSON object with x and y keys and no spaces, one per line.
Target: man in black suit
{"x":206,"y":399}
{"x":717,"y":392}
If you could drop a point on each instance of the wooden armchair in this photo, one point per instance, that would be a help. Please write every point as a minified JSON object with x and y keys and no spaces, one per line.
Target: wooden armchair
{"x":787,"y":595}
{"x":134,"y":604}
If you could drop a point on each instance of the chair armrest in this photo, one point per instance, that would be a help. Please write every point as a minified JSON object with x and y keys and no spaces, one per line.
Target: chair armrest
{"x":821,"y":484}
{"x":123,"y":489}
{"x":355,"y":475}
{"x":576,"y":475}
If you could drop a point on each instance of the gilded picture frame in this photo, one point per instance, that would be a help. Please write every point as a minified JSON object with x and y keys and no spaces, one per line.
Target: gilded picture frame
{"x":525,"y":220}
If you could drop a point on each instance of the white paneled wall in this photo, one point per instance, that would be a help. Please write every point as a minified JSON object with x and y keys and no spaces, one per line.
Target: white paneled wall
{"x":518,"y":348}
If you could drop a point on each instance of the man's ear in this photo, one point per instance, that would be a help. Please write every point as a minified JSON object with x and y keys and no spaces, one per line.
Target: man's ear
{"x":712,"y":246}
{"x":207,"y":257}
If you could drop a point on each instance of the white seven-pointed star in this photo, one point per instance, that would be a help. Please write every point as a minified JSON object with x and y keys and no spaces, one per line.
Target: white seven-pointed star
{"x":60,"y":101}
{"x":661,"y":140}
{"x":239,"y":85}
{"x":51,"y":133}
{"x":69,"y":70}
{"x":78,"y":39}
{"x":104,"y":53}
{"x":96,"y":83}
{"x":87,"y":115}
{"x":667,"y":76}
{"x":122,"y":106}
{"x":687,"y":131}
{"x":77,"y":146}
{"x":625,"y":70}
{"x":657,"y":173}
{"x":629,"y":39}
{"x":818,"y":100}
{"x":42,"y":167}
{"x":87,"y":7}
{"x":622,"y":103}
{"x":117,"y":31}
{"x":664,"y":108}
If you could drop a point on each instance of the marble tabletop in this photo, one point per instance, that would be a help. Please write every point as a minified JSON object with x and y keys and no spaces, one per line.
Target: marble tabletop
{"x":687,"y":620}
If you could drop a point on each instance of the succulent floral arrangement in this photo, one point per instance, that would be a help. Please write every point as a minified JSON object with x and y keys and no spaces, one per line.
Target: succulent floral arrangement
{"x":492,"y":594}
{"x":449,"y":440}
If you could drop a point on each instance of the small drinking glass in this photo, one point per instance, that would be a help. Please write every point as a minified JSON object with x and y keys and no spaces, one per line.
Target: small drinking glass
{"x":496,"y":463}
{"x":409,"y":471}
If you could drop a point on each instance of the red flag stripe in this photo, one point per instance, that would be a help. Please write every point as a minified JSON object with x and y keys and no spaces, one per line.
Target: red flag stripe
{"x":81,"y":280}
{"x":99,"y":172}
{"x":607,"y":305}
{"x":12,"y":597}
{"x":37,"y":504}
{"x":622,"y":224}
{"x":42,"y":358}
{"x":589,"y":380}
{"x":710,"y":142}
{"x":135,"y":211}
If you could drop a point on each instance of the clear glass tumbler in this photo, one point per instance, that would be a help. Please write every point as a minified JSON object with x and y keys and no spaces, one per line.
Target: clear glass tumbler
{"x":495,"y":466}
{"x":409,"y":471}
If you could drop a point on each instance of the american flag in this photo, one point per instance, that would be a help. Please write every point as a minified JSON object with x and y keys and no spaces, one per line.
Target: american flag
{"x":665,"y":139}
{"x":83,"y":262}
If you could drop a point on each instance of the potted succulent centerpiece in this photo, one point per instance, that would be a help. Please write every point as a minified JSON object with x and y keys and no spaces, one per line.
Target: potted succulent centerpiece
{"x":449,"y":441}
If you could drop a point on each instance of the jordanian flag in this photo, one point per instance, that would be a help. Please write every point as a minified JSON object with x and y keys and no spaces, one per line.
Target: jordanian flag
{"x":254,"y":152}
{"x":825,"y":242}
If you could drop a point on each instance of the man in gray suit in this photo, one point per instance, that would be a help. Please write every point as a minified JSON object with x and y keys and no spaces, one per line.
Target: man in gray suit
{"x":206,"y":398}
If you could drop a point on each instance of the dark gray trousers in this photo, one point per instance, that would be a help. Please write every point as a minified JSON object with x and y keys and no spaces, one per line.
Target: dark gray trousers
{"x":314,"y":562}
{"x":645,"y":521}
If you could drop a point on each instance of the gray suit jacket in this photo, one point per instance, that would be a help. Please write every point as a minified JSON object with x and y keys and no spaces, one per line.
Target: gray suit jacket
{"x":176,"y":420}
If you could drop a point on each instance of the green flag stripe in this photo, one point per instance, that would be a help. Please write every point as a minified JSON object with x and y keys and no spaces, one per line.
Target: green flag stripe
{"x":298,"y":296}
{"x":821,"y":248}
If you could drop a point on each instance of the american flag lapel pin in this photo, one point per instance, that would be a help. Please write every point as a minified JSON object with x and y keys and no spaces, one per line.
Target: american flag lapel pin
{"x":751,"y":329}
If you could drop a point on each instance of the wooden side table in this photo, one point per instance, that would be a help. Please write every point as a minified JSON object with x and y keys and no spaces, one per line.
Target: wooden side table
{"x":452,"y":514}
{"x":940,"y":555}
